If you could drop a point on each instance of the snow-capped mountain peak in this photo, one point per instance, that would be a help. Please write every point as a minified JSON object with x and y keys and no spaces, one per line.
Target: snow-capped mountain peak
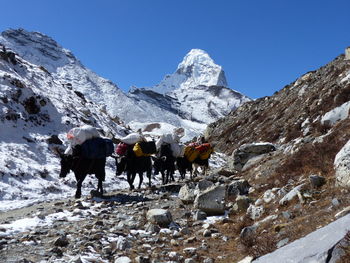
{"x":37,"y":48}
{"x":195,"y":95}
{"x":196,"y":69}
{"x":197,"y":58}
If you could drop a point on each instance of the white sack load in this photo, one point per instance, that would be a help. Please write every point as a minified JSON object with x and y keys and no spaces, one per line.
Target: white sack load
{"x":165,"y":138}
{"x":81,"y":134}
{"x":133,"y":138}
{"x":168,"y":138}
{"x":178,"y":150}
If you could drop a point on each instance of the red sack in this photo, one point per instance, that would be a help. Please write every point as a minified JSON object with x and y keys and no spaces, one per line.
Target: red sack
{"x":121,"y":149}
{"x":203,"y":147}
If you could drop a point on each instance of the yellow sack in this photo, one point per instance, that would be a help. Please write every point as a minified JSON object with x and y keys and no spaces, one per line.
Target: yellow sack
{"x":191,"y":153}
{"x":205,"y":155}
{"x":138,"y":151}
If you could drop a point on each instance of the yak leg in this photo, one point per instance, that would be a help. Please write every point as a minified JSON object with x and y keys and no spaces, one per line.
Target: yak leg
{"x":194,"y":170}
{"x":141,"y":179}
{"x":100,"y":186}
{"x":164,"y":177}
{"x":130,"y":178}
{"x":170,"y":175}
{"x":149,"y":175}
{"x":182,"y":174}
{"x":78,"y":191}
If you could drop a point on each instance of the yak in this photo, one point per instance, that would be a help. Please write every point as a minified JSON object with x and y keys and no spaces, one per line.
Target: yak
{"x":132,"y":165}
{"x":82,"y":164}
{"x":183,"y":165}
{"x":165,"y":163}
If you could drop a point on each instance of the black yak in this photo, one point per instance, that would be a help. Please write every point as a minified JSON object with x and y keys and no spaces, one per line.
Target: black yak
{"x":88,"y":158}
{"x":132,"y":165}
{"x":165,"y":163}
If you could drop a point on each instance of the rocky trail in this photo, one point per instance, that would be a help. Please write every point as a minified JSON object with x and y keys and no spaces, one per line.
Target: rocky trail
{"x":151,"y":225}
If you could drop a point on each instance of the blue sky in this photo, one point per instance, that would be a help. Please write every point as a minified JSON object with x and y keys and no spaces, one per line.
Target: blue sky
{"x":262,"y":45}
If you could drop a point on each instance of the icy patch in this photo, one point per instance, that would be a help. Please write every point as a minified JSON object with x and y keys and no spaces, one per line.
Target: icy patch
{"x":28,"y":224}
{"x":346,"y":78}
{"x":337,"y":114}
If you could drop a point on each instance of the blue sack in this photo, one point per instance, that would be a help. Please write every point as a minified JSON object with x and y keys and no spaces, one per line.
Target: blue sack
{"x":109,"y":147}
{"x":97,"y":148}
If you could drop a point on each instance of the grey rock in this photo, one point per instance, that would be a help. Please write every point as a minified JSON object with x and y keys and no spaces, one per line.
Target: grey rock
{"x":122,"y":243}
{"x":187,"y":193}
{"x":76,"y":259}
{"x":160,"y":217}
{"x":153,"y":228}
{"x":255,"y":212}
{"x":204,"y":184}
{"x":342,"y":166}
{"x":199,"y":215}
{"x":248,"y":232}
{"x":212,"y":201}
{"x":242,"y":202}
{"x":317,"y":181}
{"x":207,"y":233}
{"x":248,"y":151}
{"x":335,"y":202}
{"x":190,"y":251}
{"x":339,"y":251}
{"x":269,"y":196}
{"x":286,"y":215}
{"x":238,"y":187}
{"x":282,"y":242}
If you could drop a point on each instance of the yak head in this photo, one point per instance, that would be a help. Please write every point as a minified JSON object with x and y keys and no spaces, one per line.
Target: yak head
{"x":66,"y":162}
{"x":120,"y":165}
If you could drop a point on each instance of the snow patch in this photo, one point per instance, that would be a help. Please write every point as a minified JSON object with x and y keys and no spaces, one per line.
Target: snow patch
{"x":337,"y":114}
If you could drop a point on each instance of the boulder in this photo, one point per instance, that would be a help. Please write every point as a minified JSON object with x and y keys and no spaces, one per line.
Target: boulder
{"x":160,"y":217}
{"x":187,"y":193}
{"x":212,"y":201}
{"x":248,"y":151}
{"x":238,"y":187}
{"x":342,"y":166}
{"x":340,"y":250}
{"x":203,"y":185}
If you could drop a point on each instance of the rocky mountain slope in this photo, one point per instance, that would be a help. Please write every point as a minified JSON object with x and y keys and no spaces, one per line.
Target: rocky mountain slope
{"x":285,"y":147}
{"x":36,"y":112}
{"x":199,"y":89}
